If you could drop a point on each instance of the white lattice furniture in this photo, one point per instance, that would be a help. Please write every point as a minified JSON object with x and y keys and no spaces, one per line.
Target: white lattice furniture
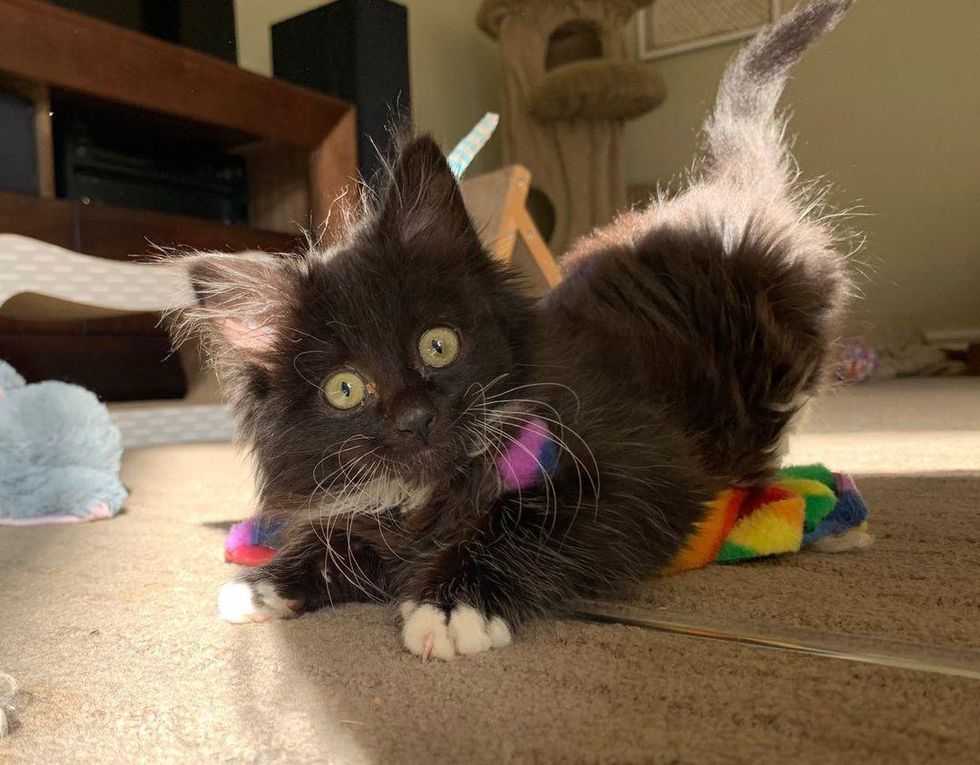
{"x":41,"y":281}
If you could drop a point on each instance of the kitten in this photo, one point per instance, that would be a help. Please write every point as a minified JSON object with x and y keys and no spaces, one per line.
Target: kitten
{"x":430,"y":437}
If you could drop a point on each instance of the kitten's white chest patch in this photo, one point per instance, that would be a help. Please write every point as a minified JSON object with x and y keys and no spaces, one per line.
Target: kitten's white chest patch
{"x":377,"y":497}
{"x":428,"y":632}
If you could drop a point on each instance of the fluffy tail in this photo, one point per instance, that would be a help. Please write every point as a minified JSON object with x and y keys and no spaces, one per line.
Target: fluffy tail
{"x":743,"y":135}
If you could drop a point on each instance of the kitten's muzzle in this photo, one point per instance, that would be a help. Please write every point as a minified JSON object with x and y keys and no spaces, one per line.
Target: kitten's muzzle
{"x":413,"y":415}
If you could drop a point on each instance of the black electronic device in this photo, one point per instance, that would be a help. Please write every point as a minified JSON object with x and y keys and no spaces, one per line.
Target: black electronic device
{"x":96,"y":162}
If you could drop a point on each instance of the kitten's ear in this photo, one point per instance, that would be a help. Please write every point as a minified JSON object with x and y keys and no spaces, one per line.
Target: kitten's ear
{"x":242,"y":303}
{"x":423,"y":199}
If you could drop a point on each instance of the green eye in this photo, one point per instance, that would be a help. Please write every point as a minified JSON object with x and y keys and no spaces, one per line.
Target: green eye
{"x":439,"y":347}
{"x":344,"y":390}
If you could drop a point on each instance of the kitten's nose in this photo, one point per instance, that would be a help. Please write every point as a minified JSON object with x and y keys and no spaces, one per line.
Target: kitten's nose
{"x":415,"y":417}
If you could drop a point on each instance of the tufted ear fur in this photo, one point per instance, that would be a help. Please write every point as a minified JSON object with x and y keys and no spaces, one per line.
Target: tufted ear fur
{"x":243,"y":301}
{"x":422,"y":203}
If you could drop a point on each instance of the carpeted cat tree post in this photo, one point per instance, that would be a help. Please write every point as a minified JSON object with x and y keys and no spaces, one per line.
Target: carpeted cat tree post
{"x":568,"y":87}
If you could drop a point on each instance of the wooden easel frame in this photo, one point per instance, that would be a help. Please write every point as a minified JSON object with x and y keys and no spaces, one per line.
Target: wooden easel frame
{"x":505,"y":225}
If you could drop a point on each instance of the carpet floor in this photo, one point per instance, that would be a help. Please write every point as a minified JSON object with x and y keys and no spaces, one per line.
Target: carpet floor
{"x":110,"y":629}
{"x":919,"y":581}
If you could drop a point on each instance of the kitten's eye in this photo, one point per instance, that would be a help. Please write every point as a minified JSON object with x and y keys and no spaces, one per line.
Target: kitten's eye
{"x":344,"y":390}
{"x":439,"y":347}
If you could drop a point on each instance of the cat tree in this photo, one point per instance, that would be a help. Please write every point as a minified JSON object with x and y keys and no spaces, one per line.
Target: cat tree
{"x":568,"y":87}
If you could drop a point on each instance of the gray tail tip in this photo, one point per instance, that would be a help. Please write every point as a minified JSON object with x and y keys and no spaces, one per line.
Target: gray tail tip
{"x":820,"y":16}
{"x":795,"y":32}
{"x":832,"y":11}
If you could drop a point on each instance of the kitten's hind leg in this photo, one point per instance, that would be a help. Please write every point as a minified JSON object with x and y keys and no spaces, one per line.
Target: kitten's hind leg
{"x":728,"y":296}
{"x":306,"y":575}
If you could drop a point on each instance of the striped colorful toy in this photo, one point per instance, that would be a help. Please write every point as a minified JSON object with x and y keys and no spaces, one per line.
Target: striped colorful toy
{"x":806,"y":505}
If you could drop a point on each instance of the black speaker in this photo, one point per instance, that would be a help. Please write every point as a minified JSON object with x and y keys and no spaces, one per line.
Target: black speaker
{"x":356,"y":50}
{"x":18,"y":150}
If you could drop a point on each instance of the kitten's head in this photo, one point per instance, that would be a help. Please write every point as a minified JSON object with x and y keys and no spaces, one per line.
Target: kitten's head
{"x":358,"y":371}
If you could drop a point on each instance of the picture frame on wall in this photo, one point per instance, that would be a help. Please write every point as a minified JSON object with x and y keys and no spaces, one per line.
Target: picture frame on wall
{"x":671,"y":27}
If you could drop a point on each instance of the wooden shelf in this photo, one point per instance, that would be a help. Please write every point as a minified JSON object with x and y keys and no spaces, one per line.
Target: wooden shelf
{"x":126,"y":234}
{"x":299,"y":148}
{"x":46,"y":44}
{"x":299,"y":145}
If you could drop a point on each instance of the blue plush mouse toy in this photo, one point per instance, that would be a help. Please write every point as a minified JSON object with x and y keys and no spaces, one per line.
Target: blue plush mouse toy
{"x":59,"y":454}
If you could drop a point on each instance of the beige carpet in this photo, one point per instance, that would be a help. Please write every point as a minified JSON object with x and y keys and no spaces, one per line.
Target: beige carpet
{"x":919,"y":581}
{"x":110,"y":628}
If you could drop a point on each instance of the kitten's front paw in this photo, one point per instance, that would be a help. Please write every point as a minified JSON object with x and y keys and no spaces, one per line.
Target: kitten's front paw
{"x":429,"y":632}
{"x":241,"y":601}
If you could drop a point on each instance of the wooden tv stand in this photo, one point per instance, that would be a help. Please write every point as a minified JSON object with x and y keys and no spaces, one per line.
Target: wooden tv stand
{"x":299,"y":146}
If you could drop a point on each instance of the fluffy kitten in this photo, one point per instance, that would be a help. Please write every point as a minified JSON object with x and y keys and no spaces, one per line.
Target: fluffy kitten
{"x":429,"y":437}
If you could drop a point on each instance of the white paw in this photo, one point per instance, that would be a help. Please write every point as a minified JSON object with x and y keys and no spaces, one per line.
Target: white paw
{"x":241,"y":602}
{"x":427,"y":632}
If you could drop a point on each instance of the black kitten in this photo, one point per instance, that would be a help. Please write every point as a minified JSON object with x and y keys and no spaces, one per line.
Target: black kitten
{"x":428,"y":436}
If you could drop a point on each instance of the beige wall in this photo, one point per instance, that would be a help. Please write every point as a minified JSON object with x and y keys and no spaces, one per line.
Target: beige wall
{"x":888,"y":108}
{"x":454,"y":67}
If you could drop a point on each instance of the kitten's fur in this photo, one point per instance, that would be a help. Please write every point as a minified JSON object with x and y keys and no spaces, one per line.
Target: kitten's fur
{"x":668,"y":363}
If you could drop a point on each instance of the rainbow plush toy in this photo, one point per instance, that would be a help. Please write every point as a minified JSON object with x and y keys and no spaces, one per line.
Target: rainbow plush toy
{"x":807,"y":506}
